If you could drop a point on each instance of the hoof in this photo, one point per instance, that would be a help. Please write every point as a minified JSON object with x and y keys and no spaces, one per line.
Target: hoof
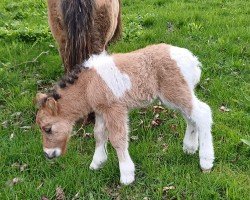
{"x":190,"y":149}
{"x":127,"y":180}
{"x":206,"y":164}
{"x":96,"y":166}
{"x":206,"y":171}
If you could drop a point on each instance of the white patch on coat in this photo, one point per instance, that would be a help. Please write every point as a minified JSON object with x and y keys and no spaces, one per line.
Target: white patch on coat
{"x":188,"y":64}
{"x":105,"y":66}
{"x":99,"y":158}
{"x":127,"y":169}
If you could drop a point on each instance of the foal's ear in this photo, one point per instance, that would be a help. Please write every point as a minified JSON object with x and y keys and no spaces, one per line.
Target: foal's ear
{"x":52,"y":105}
{"x":40,"y":99}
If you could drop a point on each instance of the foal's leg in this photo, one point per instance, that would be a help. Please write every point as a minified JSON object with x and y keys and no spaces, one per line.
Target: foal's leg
{"x":116,"y":120}
{"x":190,"y":142}
{"x":202,"y":117}
{"x":199,"y":122}
{"x":100,"y":155}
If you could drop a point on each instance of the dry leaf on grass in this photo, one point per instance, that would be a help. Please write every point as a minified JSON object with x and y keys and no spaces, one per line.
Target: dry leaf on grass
{"x":158,"y":109}
{"x":60,"y":194}
{"x":12,"y":136}
{"x":44,"y":198}
{"x":173,"y":127}
{"x":224,"y":109}
{"x":77,"y":196}
{"x":134,"y":137}
{"x":167,"y":188}
{"x":156,"y":122}
{"x":21,"y":167}
{"x":88,"y":135}
{"x":165,"y":147}
{"x":14,"y":181}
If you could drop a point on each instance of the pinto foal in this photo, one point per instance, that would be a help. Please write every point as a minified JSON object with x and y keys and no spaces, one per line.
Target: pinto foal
{"x":110,"y":86}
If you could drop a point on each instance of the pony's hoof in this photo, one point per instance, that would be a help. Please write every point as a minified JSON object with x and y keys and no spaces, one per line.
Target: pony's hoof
{"x":94,"y":166}
{"x":128,"y":179}
{"x":206,"y":171}
{"x":206,"y":165}
{"x":190,"y":149}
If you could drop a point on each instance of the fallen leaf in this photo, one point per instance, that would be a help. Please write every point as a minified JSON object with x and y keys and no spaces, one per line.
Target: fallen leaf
{"x":39,"y":186}
{"x":167,"y":188}
{"x":88,"y":135}
{"x":26,"y":127}
{"x":19,"y":166}
{"x":170,"y":27}
{"x":23,"y":167}
{"x":77,"y":196}
{"x":44,"y":198}
{"x":143,"y":111}
{"x":5,"y":124}
{"x":134,"y":137}
{"x":14,"y":181}
{"x":156,"y":122}
{"x":12,"y":136}
{"x":224,"y":109}
{"x":60,"y":194}
{"x":173,"y":127}
{"x":165,"y":147}
{"x":16,"y":114}
{"x":158,"y":109}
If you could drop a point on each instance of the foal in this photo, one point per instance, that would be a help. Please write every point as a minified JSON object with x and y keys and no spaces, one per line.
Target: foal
{"x":110,"y":86}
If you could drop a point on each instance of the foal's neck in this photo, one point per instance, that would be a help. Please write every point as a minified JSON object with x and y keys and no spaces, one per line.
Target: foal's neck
{"x":73,"y":102}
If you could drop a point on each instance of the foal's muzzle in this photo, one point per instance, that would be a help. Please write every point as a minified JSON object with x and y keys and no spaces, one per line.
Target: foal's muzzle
{"x":52,"y":153}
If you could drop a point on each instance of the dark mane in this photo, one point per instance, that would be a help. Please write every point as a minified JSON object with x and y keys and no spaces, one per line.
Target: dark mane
{"x":67,"y":80}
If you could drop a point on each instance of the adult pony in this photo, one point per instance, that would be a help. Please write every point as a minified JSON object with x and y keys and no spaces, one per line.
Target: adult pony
{"x":83,"y":27}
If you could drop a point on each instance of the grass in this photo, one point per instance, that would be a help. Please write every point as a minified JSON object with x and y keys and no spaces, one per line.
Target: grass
{"x":215,"y":30}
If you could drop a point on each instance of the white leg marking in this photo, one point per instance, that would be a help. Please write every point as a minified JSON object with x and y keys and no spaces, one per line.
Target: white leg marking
{"x":202,"y":117}
{"x":104,"y":64}
{"x":127,"y":168}
{"x":190,"y":142}
{"x":100,"y":155}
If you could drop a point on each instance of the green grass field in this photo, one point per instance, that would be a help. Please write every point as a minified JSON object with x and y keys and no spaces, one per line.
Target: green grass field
{"x":217,"y":31}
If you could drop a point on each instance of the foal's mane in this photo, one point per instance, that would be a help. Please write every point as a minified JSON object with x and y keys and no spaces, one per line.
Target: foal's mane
{"x":66,"y":80}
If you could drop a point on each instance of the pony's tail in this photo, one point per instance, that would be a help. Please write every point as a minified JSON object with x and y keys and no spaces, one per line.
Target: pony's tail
{"x":118,"y":31}
{"x":78,"y":18}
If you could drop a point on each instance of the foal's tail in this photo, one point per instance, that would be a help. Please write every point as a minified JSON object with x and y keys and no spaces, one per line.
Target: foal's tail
{"x":78,"y":16}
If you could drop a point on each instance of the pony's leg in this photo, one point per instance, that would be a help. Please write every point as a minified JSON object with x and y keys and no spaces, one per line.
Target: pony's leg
{"x":190,"y":142}
{"x":202,"y":117}
{"x":100,"y":155}
{"x":199,"y":122}
{"x":116,"y":120}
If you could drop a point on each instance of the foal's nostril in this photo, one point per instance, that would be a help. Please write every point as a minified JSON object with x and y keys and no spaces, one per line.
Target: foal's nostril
{"x":46,"y":155}
{"x":53,"y":154}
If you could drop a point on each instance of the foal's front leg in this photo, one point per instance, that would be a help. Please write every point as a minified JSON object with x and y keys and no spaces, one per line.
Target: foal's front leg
{"x":100,"y":155}
{"x":116,"y":120}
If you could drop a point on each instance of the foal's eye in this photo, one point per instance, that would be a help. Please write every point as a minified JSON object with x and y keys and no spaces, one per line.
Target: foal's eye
{"x":48,"y":130}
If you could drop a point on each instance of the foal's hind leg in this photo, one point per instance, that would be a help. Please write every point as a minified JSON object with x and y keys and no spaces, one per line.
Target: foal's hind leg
{"x":199,"y":122}
{"x":190,"y":142}
{"x":202,"y":117}
{"x":100,"y":156}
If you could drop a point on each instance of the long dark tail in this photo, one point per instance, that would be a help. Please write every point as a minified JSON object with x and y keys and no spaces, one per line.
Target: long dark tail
{"x":118,"y":31}
{"x":78,"y":16}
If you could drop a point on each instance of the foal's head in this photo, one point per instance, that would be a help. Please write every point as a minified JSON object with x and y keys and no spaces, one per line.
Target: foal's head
{"x":55,"y":128}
